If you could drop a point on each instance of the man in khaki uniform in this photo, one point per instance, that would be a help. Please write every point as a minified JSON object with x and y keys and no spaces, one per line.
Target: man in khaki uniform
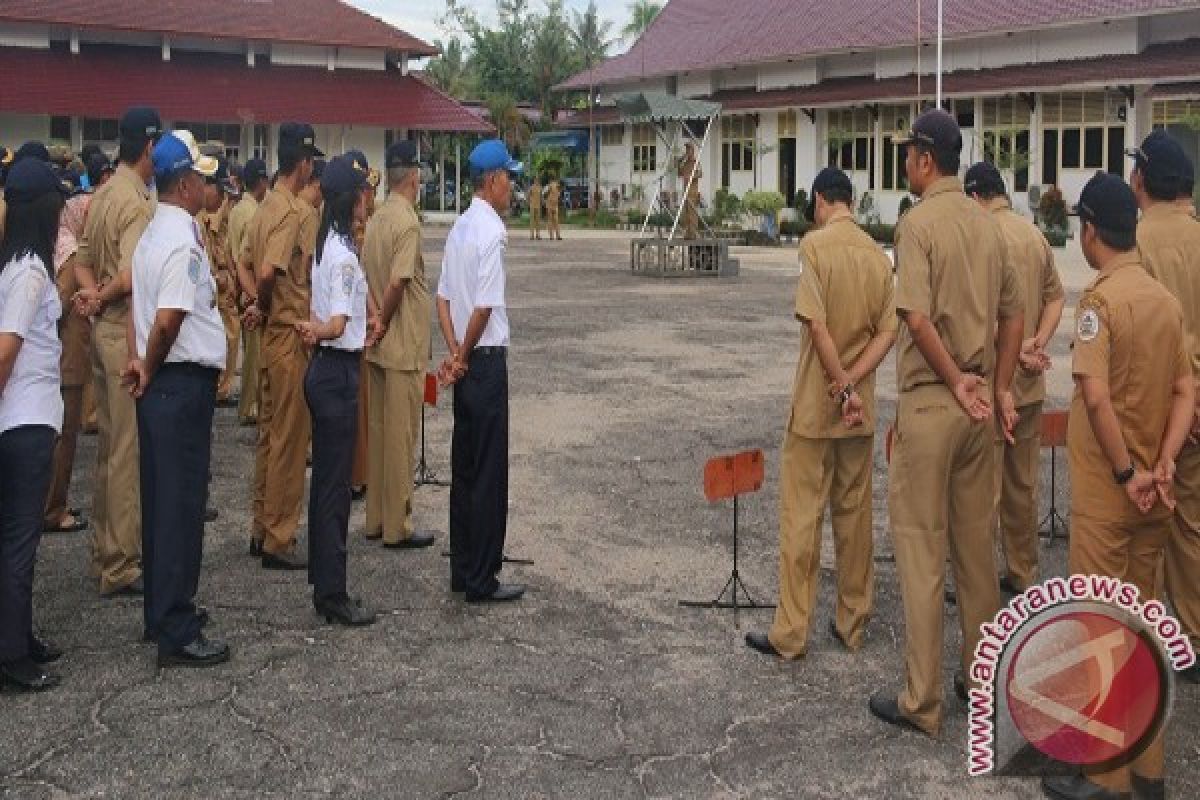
{"x":1017,"y":464}
{"x":553,"y":204}
{"x":281,"y":249}
{"x":396,"y":365}
{"x":959,"y":297}
{"x":1168,"y":239}
{"x":691,"y":196}
{"x":1133,"y":406}
{"x":118,"y":214}
{"x":214,"y":227}
{"x":535,"y":209}
{"x":255,"y":184}
{"x":846,"y":300}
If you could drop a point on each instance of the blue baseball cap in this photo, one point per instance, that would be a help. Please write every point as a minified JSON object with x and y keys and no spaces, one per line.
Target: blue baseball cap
{"x":491,"y":155}
{"x":177,"y":151}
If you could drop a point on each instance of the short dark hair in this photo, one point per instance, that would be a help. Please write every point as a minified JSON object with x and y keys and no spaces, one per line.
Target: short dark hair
{"x":1121,"y":241}
{"x":290,"y":158}
{"x":31,"y":227}
{"x":946,"y":161}
{"x":838,"y":194}
{"x":168,"y":184}
{"x":1162,"y":188}
{"x":130,"y":149}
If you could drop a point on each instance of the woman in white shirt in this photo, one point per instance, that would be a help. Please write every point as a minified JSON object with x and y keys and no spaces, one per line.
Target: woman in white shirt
{"x":337,"y":329}
{"x":31,"y":408}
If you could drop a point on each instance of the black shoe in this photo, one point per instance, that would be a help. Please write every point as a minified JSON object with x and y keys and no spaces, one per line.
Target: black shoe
{"x":833,"y":631}
{"x":344,"y":611}
{"x":1147,"y":789}
{"x":135,"y":589}
{"x":960,"y":689}
{"x":42,"y":651}
{"x":1077,"y":787}
{"x":418,"y":540}
{"x":26,"y":676}
{"x":885,"y":706}
{"x":762,"y":643}
{"x":256,"y":547}
{"x":504,"y":593}
{"x":200,"y":653}
{"x":287,"y":561}
{"x":1191,"y":674}
{"x":458,"y":587}
{"x":210,"y":515}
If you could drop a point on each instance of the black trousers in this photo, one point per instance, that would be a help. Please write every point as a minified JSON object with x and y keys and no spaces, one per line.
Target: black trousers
{"x":26,"y":455}
{"x":175,"y":417}
{"x":331,"y":389}
{"x":479,"y":473}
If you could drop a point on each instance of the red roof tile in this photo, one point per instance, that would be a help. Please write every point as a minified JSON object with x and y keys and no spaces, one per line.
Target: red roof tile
{"x":707,"y":34}
{"x":323,"y":22}
{"x":212,"y":88}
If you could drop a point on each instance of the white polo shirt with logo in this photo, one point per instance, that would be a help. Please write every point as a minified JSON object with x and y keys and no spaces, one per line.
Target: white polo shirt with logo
{"x":473,"y":272}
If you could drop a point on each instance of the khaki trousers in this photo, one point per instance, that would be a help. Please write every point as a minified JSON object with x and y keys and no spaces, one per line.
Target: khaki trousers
{"x":1130,"y":551}
{"x":362,"y":453}
{"x":116,"y":509}
{"x":394,"y":404}
{"x":1017,"y":496}
{"x":284,"y":429}
{"x":233,"y":330}
{"x":64,"y":456}
{"x":815,"y":473}
{"x":552,"y":229}
{"x":248,"y":403}
{"x":1183,"y":546}
{"x":941,"y":499}
{"x":535,"y":222}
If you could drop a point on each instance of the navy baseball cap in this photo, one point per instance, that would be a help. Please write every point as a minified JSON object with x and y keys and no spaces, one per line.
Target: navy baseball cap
{"x":221,"y":177}
{"x":33,"y":150}
{"x":29,"y":179}
{"x":177,"y":151}
{"x":984,"y":178}
{"x":298,"y":135}
{"x":1161,"y":157}
{"x":141,"y":123}
{"x":491,"y":155}
{"x":343,"y":174}
{"x":936,"y":129}
{"x":97,"y":165}
{"x":254,"y":171}
{"x":402,"y":154}
{"x":1107,"y":202}
{"x":319,"y":165}
{"x":827,"y":179}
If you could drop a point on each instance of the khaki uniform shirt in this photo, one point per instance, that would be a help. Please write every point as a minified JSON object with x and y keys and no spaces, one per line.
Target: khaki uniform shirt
{"x":284,"y":235}
{"x":845,"y":283}
{"x":239,"y":225}
{"x":1128,"y":333}
{"x":392,"y":252}
{"x":1030,"y":253}
{"x":118,"y":215}
{"x":214,"y":228}
{"x":553,"y":195}
{"x":951,"y":266}
{"x":535,"y":196}
{"x":1168,"y":238}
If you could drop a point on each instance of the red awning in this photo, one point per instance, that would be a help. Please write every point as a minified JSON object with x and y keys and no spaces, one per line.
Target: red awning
{"x":214,"y":88}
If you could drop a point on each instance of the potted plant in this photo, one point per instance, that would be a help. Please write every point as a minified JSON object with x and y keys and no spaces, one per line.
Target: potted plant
{"x":766,"y":205}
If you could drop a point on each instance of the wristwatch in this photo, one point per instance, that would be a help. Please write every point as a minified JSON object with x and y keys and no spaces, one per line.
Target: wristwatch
{"x":846,"y":392}
{"x":1124,"y":476}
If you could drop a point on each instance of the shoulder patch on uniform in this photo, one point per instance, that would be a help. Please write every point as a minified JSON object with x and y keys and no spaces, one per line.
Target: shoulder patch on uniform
{"x":195,"y":268}
{"x":1088,"y":326}
{"x":348,"y":279}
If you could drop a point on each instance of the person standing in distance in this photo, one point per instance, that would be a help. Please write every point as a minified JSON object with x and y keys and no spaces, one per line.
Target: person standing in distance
{"x":255,"y":183}
{"x":474,"y":324}
{"x":553,"y":206}
{"x":172,"y":373}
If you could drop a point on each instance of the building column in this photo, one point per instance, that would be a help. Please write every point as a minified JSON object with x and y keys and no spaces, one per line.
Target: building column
{"x":1139,"y":121}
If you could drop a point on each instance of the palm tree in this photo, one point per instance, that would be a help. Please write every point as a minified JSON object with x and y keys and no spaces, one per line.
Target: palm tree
{"x":448,"y":71}
{"x":590,"y":35}
{"x":511,"y":125}
{"x":641,"y":14}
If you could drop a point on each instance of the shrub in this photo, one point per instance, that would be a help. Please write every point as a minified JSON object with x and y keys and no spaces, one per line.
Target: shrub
{"x":763,"y":203}
{"x":906,"y":204}
{"x":801,"y":203}
{"x":606,"y":219}
{"x":1057,"y":237}
{"x":1052,"y":210}
{"x":726,"y":206}
{"x":794,"y":227}
{"x":884,"y":234}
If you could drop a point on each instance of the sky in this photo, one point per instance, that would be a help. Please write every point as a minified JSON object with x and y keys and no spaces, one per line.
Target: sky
{"x":421,"y":18}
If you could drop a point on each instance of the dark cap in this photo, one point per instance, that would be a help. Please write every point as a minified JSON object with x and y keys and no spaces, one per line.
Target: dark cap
{"x":402,"y":154}
{"x":97,"y":165}
{"x":984,"y":179}
{"x":827,"y":179}
{"x":358,"y":157}
{"x":936,"y":129}
{"x":1107,"y":202}
{"x":319,"y":165}
{"x":1162,"y":158}
{"x":254,"y":171}
{"x":221,"y":176}
{"x":299,"y":136}
{"x":342,"y":174}
{"x":29,"y":179}
{"x":33,"y":150}
{"x":141,"y":123}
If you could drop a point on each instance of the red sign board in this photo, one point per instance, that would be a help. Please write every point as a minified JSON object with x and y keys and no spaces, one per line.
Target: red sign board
{"x":431,"y":388}
{"x":733,"y":475}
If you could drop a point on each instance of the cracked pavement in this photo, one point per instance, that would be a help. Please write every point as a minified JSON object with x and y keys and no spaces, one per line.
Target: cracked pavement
{"x":597,"y":684}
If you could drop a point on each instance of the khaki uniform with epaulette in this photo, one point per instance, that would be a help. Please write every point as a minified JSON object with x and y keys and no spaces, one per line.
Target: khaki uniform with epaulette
{"x":239,"y":224}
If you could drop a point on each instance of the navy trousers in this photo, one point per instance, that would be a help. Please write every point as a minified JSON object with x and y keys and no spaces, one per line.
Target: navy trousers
{"x":26,"y":455}
{"x":175,"y":417}
{"x":479,"y":473}
{"x":331,"y":389}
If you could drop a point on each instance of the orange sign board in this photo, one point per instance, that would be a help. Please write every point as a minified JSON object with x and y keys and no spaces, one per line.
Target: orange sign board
{"x":431,"y":388}
{"x":733,"y":475}
{"x":1054,"y":429}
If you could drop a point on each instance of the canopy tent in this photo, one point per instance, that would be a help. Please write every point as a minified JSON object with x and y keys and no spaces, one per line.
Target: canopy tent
{"x":572,"y":141}
{"x":662,"y":110}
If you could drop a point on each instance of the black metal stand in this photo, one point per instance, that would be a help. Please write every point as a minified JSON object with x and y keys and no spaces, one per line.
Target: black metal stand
{"x":732,"y":585}
{"x":1053,"y":521}
{"x":424,"y":475}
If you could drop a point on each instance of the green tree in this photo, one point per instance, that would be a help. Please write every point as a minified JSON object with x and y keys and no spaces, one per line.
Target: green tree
{"x":511,"y":125}
{"x":641,"y":14}
{"x":552,"y":56}
{"x":449,"y":71}
{"x":591,"y":36}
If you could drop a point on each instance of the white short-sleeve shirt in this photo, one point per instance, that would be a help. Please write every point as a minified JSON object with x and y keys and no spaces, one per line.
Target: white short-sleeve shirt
{"x":339,"y":288}
{"x":473,"y":272}
{"x":171,"y":271}
{"x":29,"y":307}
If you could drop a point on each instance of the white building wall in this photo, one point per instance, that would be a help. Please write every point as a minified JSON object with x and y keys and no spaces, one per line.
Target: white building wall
{"x":299,"y":55}
{"x":767,"y":161}
{"x":1082,"y":41}
{"x":783,"y":76}
{"x":695,"y":84}
{"x":16,"y":129}
{"x":360,"y":58}
{"x":24,"y":36}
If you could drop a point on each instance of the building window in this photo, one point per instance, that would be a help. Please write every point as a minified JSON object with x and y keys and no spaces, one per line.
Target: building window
{"x":100,"y":131}
{"x":737,"y":143}
{"x":895,"y":121}
{"x":1006,"y":137}
{"x":1165,"y":113}
{"x":645,"y":149}
{"x":259,"y":147}
{"x":787,"y":124}
{"x":612,"y":135}
{"x":1082,"y":130}
{"x":227,"y":135}
{"x":850,"y":142}
{"x":963,"y":110}
{"x":60,"y":129}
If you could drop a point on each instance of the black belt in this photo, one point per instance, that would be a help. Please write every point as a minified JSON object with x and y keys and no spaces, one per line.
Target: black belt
{"x":334,"y":352}
{"x":189,"y":368}
{"x":489,"y":351}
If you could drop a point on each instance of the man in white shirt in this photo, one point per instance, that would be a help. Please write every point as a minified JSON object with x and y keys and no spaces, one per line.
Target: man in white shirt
{"x":179,"y":338}
{"x":474,"y":323}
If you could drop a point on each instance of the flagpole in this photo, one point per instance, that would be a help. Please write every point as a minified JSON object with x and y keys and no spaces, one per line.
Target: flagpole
{"x":939,"y":54}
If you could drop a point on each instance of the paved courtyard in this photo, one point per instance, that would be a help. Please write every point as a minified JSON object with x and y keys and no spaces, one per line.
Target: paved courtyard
{"x":597,"y":684}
